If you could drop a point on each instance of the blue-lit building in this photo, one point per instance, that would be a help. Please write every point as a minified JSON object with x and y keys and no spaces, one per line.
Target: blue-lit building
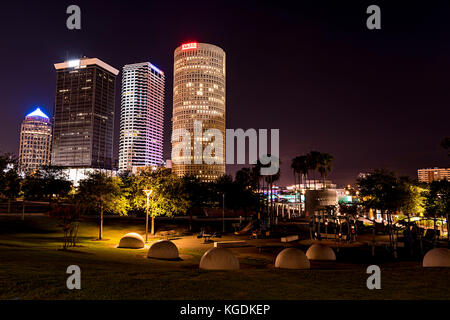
{"x":35,"y":141}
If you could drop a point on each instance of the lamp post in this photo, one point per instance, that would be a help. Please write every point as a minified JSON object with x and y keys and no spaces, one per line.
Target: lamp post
{"x":147,"y":193}
{"x":223,"y":212}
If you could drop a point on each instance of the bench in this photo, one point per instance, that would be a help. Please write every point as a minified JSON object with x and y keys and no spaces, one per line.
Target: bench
{"x":333,"y":236}
{"x":268,"y":246}
{"x":167,"y":234}
{"x":207,"y":236}
{"x":230,"y":244}
{"x":289,"y":238}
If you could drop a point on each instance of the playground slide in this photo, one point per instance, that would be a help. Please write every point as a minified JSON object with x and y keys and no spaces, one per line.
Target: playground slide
{"x":246,"y":229}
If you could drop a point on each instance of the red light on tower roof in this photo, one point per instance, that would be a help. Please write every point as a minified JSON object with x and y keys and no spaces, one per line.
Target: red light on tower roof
{"x":190,"y":45}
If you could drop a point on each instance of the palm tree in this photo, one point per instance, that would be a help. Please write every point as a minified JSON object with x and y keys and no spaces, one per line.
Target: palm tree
{"x":303,"y":167}
{"x":297,"y":170}
{"x":314,"y":159}
{"x":270,"y":179}
{"x":256,"y":176}
{"x":324,"y":166}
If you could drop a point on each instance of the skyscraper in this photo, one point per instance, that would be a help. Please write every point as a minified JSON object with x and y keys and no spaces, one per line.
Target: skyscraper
{"x":141,"y":116}
{"x":35,"y":141}
{"x":433,"y":174}
{"x":199,"y":95}
{"x":84,"y":114}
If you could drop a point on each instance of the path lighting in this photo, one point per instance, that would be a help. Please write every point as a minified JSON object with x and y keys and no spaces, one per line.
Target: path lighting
{"x":147,"y":192}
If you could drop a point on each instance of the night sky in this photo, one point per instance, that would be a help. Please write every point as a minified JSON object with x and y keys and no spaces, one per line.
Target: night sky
{"x":371,"y":98}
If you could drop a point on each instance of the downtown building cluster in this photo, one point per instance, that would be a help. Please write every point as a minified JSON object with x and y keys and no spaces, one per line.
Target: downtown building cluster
{"x":80,"y":137}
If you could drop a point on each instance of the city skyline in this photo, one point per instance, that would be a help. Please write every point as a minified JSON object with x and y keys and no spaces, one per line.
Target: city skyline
{"x":341,"y":89}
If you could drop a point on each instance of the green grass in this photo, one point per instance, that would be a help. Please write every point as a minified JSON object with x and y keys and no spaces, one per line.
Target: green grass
{"x":32,"y":267}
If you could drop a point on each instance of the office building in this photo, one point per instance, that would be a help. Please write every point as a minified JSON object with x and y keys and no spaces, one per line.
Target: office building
{"x":199,"y":95}
{"x":35,"y":141}
{"x":83,"y":123}
{"x":433,"y":174}
{"x":141,"y":117}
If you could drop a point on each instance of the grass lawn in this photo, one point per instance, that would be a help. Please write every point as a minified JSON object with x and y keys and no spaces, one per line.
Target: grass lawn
{"x":32,"y":267}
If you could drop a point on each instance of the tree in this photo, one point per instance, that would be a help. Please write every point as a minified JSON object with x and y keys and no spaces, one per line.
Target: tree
{"x":47,"y":183}
{"x":437,"y":201}
{"x":270,"y":180}
{"x":380,"y":190}
{"x":257,"y":177}
{"x":168,"y":196}
{"x":246,"y":178}
{"x":68,"y":218}
{"x":324,"y":165}
{"x":411,"y":197}
{"x":100,"y":191}
{"x":303,"y":167}
{"x":313,"y":163}
{"x":299,"y":165}
{"x":9,"y":179}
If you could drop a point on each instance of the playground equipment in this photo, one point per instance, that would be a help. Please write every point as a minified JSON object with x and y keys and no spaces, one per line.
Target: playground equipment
{"x":246,"y":229}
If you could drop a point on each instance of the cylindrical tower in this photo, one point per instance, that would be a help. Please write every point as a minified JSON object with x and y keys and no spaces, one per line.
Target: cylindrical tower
{"x":199,"y":95}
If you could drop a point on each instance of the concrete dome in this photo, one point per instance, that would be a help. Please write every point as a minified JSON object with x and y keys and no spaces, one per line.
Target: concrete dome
{"x":163,"y":249}
{"x":219,"y":259}
{"x":438,"y":257}
{"x":292,"y":258}
{"x":132,"y":240}
{"x":319,"y":251}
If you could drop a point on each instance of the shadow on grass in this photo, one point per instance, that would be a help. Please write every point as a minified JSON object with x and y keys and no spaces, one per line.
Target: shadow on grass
{"x":74,"y":251}
{"x":14,"y":226}
{"x":159,"y":259}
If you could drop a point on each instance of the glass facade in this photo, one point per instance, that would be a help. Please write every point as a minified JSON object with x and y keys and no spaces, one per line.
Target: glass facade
{"x":83,"y":124}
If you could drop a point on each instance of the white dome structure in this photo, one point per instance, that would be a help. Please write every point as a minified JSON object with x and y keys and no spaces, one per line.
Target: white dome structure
{"x":219,"y":259}
{"x":292,"y":258}
{"x":319,"y":251}
{"x":438,"y":257}
{"x":132,"y":240}
{"x":163,"y":249}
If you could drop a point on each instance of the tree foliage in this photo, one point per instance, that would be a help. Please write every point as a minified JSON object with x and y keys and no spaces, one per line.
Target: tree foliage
{"x":101,"y":191}
{"x":437,"y":198}
{"x":48,"y":183}
{"x":382,"y":190}
{"x":168,"y":197}
{"x":9,"y":179}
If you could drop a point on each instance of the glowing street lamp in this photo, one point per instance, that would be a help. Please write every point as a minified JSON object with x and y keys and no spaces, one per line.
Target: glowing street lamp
{"x":147,"y":193}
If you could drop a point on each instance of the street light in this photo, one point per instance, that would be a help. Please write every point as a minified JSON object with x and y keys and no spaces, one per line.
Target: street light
{"x":147,"y":193}
{"x":223,"y":212}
